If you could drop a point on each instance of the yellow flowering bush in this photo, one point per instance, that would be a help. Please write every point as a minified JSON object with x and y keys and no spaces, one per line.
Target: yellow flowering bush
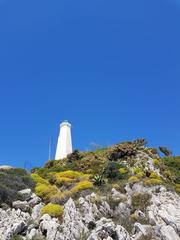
{"x":38,"y":179}
{"x":122,"y":170}
{"x":152,"y":182}
{"x":69,"y":174}
{"x":156,"y":162}
{"x":155,"y":176}
{"x":82,"y":186}
{"x":45,"y":191}
{"x":54,"y":210}
{"x":133,"y":179}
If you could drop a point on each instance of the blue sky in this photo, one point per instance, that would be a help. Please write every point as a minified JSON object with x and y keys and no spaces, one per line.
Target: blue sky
{"x":112,"y":68}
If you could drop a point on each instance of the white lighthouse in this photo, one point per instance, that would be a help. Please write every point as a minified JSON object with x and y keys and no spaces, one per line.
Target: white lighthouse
{"x":64,"y":144}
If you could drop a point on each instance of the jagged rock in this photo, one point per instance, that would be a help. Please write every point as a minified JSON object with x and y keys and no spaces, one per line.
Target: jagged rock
{"x":88,"y":209}
{"x":25,"y":194}
{"x":22,"y":205}
{"x":32,"y":234}
{"x":122,"y":210}
{"x":49,"y":227}
{"x":105,"y":209}
{"x":140,"y":231}
{"x":165,"y":209}
{"x":168,"y":233}
{"x":73,"y":226}
{"x":106,"y":229}
{"x":34,"y":200}
{"x":36,"y":211}
{"x":12,"y":222}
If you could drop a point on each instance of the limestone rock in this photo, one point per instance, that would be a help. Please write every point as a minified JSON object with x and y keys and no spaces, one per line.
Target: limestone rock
{"x":36,"y":211}
{"x":25,"y":194}
{"x":168,"y":233}
{"x":12,"y":222}
{"x":49,"y":227}
{"x":73,"y":225}
{"x":106,"y":229}
{"x":34,"y":200}
{"x":22,"y":205}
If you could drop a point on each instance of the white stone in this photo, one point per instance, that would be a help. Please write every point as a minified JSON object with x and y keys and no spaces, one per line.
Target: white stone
{"x":36,"y":211}
{"x":64,"y":145}
{"x":22,"y":205}
{"x":25,"y":194}
{"x":168,"y":233}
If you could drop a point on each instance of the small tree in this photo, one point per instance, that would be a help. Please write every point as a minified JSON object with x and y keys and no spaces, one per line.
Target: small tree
{"x":74,"y":156}
{"x":165,"y":151}
{"x":112,"y":170}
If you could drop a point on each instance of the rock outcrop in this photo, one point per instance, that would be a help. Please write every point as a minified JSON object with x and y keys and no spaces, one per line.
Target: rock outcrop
{"x":94,"y":218}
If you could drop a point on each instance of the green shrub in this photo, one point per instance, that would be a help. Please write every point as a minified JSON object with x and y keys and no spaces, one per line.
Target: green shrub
{"x":140,"y":201}
{"x":45,"y":191}
{"x":133,"y":179}
{"x":155,"y":176}
{"x":122,"y":171}
{"x":98,"y":180}
{"x":12,"y":181}
{"x":165,"y":151}
{"x":112,"y":170}
{"x":152,"y":182}
{"x":54,"y":210}
{"x":82,"y":186}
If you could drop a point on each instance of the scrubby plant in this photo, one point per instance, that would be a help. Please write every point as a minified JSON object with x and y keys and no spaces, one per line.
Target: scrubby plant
{"x":122,"y":170}
{"x":136,"y":170}
{"x":156,"y":162}
{"x":140,"y":175}
{"x":38,"y":179}
{"x":11,"y":181}
{"x":133,"y":179}
{"x":74,"y":156}
{"x":50,"y":164}
{"x":45,"y":191}
{"x":154,"y":175}
{"x":82,"y":186}
{"x":17,"y":237}
{"x":152,"y":182}
{"x":61,"y":197}
{"x":177,"y":188}
{"x":112,"y":170}
{"x":122,"y":150}
{"x":64,"y":181}
{"x":70,"y":174}
{"x":140,"y":201}
{"x":98,"y":180}
{"x":54,"y":210}
{"x":165,"y":151}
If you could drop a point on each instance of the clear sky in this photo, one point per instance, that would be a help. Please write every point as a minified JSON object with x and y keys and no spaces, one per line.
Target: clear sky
{"x":112,"y":68}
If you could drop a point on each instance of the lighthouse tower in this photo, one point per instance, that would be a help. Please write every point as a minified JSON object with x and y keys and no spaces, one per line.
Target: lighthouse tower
{"x":64,"y":144}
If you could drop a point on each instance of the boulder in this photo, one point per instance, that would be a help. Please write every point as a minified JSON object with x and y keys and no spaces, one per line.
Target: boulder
{"x":34,"y":200}
{"x":36,"y":211}
{"x":22,"y":205}
{"x":25,"y":194}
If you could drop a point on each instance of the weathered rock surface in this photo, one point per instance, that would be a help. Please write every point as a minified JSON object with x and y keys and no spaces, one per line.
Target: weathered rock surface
{"x":95,"y":217}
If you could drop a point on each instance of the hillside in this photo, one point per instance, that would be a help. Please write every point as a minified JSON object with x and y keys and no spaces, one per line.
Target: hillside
{"x":126,"y":191}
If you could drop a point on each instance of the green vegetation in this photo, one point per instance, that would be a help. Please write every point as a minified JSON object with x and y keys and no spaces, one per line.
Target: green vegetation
{"x":102,"y":169}
{"x":54,"y":210}
{"x":12,"y":181}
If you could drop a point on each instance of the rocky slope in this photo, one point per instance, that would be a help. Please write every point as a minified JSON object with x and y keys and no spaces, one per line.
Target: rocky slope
{"x":126,"y":192}
{"x":94,"y":217}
